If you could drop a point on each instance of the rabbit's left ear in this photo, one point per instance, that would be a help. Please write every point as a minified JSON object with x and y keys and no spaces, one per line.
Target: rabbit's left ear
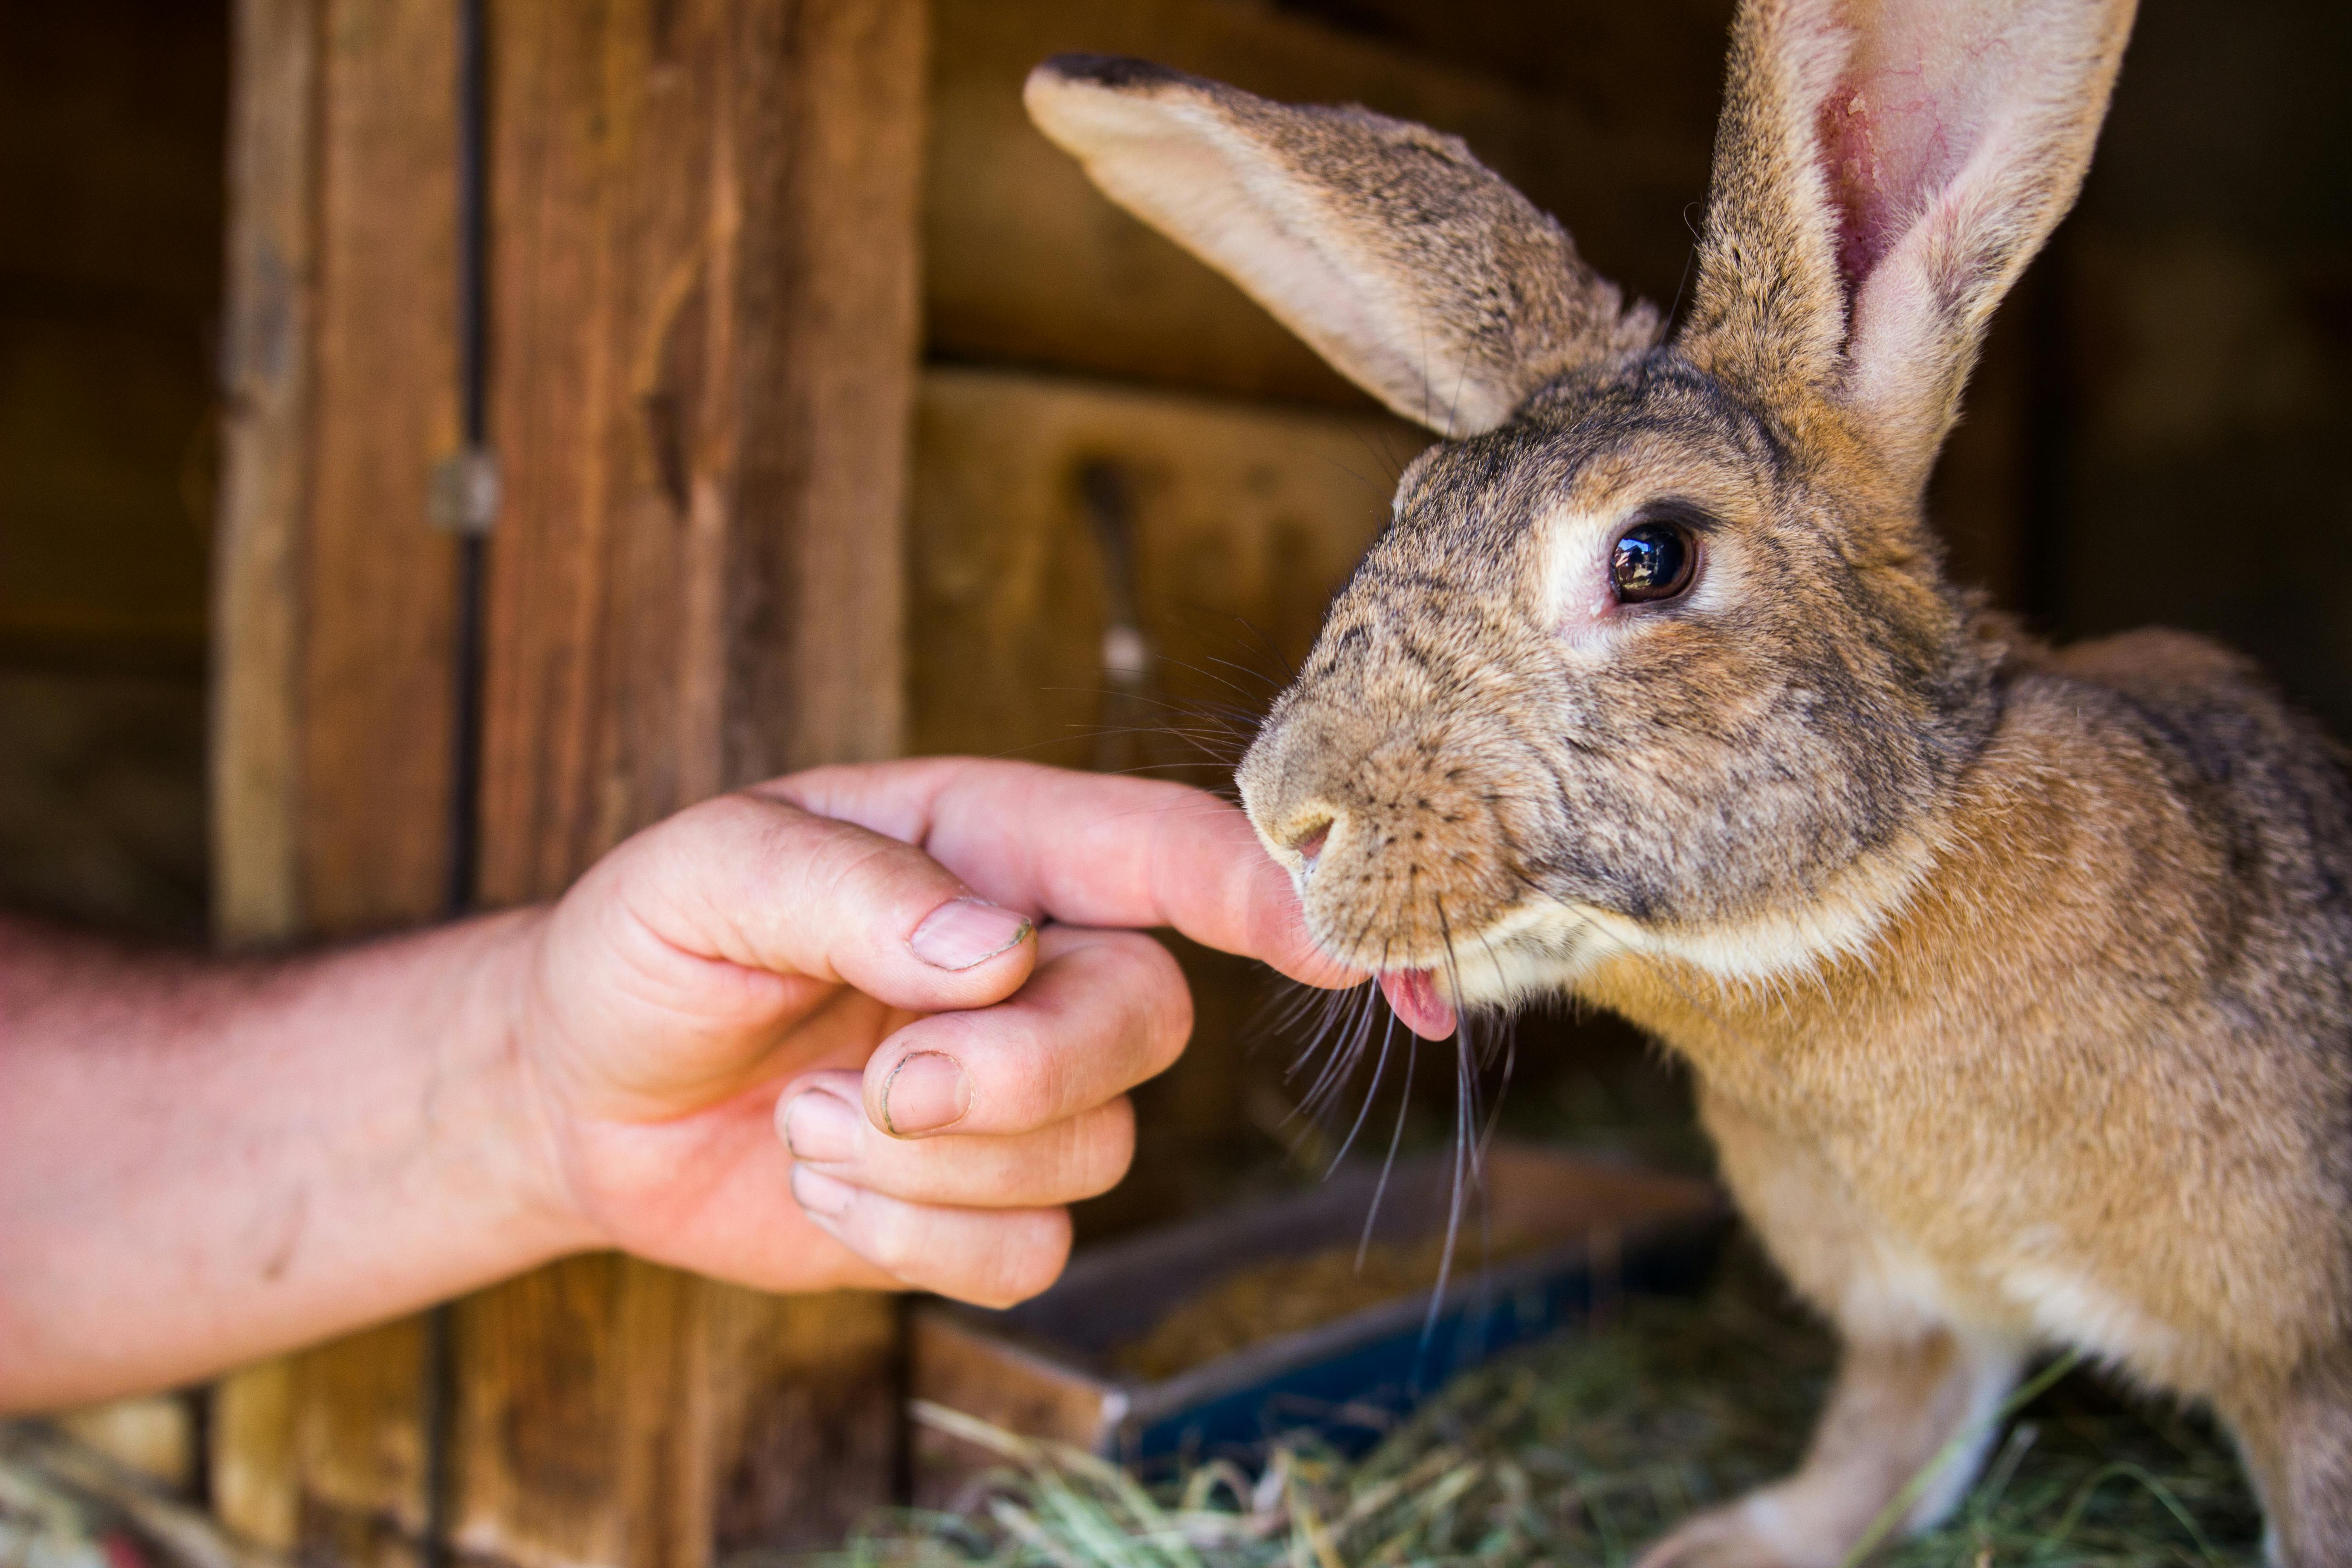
{"x":1420,"y":275}
{"x":1884,"y":172}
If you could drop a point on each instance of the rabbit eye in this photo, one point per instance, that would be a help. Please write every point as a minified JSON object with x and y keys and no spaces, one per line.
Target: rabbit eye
{"x":1652,"y":561}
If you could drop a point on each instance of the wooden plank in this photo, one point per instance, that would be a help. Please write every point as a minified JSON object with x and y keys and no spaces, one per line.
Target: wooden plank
{"x":705,"y":333}
{"x":796,"y":1409}
{"x":381,"y":580}
{"x":271,"y":279}
{"x":1026,"y":263}
{"x":270,"y":282}
{"x":376,"y":676}
{"x":335,"y":603}
{"x":265,"y":467}
{"x":1244,"y":519}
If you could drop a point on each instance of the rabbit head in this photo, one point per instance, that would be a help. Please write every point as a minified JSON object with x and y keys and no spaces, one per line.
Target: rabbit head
{"x":1656,"y":652}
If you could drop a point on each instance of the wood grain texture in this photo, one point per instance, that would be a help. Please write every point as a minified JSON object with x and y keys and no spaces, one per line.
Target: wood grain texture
{"x":380,"y":581}
{"x":1026,"y":263}
{"x":704,"y":329}
{"x":330,"y":770}
{"x":1246,"y":519}
{"x":271,"y":278}
{"x":376,"y":677}
{"x":704,"y":321}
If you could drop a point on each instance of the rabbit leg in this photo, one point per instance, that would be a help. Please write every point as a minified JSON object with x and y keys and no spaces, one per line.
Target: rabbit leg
{"x":1909,"y":1381}
{"x":2295,"y":1436}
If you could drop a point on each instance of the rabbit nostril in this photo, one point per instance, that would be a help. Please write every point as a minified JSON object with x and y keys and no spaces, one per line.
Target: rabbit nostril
{"x":1310,"y":849}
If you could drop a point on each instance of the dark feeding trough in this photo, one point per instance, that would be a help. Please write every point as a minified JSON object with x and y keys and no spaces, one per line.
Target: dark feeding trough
{"x":1211,"y":1335}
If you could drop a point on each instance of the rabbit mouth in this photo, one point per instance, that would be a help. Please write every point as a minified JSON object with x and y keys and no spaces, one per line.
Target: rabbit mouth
{"x":1415,"y":999}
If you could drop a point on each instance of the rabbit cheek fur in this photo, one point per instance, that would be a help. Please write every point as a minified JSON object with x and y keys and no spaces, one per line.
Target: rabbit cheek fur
{"x":2017,"y":982}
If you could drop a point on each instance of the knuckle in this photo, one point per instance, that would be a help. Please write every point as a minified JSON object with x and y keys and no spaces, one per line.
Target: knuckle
{"x":729,"y":814}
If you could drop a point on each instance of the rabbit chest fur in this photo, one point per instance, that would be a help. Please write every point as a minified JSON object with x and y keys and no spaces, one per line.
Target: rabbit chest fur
{"x":2088,"y":1082}
{"x":2017,"y":982}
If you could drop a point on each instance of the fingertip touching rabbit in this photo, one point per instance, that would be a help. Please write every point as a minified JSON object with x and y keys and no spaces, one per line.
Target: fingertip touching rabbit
{"x":2016,"y":980}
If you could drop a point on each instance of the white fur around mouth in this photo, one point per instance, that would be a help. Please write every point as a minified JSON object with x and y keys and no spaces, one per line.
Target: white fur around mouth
{"x":1545,"y":949}
{"x":1537,"y":950}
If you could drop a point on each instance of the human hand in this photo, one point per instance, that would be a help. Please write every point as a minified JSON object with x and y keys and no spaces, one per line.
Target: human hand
{"x":856,"y":960}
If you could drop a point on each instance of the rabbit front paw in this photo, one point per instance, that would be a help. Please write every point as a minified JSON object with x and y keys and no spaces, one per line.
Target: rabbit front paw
{"x":1736,"y":1537}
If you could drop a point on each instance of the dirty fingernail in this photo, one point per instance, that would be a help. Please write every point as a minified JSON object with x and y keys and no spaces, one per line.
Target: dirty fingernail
{"x":924,"y":1094}
{"x":819,"y":1126}
{"x":821,"y":1196}
{"x":967,"y":931}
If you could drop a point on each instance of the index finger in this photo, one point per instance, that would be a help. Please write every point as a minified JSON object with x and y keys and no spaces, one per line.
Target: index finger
{"x":1095,"y":849}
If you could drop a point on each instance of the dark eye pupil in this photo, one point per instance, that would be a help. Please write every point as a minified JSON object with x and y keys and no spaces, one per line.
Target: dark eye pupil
{"x":1651,"y":561}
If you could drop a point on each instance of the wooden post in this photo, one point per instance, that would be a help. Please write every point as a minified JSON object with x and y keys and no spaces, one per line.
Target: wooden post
{"x":333,"y":692}
{"x":703,"y":226}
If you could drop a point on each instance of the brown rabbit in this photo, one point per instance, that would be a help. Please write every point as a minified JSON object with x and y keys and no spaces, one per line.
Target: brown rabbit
{"x":2017,"y":982}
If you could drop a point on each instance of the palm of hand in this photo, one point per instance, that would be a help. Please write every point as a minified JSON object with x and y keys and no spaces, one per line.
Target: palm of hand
{"x":664,"y":1071}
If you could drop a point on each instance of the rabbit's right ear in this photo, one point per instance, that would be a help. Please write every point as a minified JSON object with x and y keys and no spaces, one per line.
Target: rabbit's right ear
{"x":1420,"y":275}
{"x":1884,"y":172}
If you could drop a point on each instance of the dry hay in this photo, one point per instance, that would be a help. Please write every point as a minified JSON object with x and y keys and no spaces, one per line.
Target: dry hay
{"x":63,"y":1505}
{"x":1581,"y":1450}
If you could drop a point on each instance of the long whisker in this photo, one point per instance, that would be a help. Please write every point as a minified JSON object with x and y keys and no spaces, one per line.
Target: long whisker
{"x":1386,"y":460}
{"x":1464,"y":1095}
{"x":1347,"y":1042}
{"x":1371,"y":1090}
{"x":1369,"y":484}
{"x":1266,"y":646}
{"x":1396,"y":1140}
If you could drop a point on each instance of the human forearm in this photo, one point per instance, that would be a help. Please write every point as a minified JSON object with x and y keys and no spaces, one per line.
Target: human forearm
{"x":201,"y":1164}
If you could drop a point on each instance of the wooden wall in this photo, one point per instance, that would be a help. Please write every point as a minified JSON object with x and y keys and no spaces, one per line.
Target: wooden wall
{"x":703,"y":345}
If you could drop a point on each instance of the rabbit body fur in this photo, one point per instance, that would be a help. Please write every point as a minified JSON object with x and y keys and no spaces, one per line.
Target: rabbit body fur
{"x":2017,"y":982}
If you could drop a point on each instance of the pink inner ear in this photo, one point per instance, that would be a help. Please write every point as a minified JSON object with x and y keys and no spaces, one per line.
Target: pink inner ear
{"x":1906,"y":113}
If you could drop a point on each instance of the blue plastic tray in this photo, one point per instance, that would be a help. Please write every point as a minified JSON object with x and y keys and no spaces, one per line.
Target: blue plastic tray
{"x":1046,"y":1369}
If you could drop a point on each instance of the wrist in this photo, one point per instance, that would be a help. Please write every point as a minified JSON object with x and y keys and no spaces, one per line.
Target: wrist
{"x":528,"y":1127}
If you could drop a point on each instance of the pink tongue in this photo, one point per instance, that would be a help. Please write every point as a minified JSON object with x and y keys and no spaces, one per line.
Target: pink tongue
{"x":1414,"y":993}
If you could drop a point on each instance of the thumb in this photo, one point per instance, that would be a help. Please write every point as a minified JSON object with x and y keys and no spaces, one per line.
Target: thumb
{"x":757,"y":882}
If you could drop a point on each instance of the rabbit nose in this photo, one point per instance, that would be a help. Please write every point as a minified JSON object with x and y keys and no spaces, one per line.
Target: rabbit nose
{"x":1309,"y":846}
